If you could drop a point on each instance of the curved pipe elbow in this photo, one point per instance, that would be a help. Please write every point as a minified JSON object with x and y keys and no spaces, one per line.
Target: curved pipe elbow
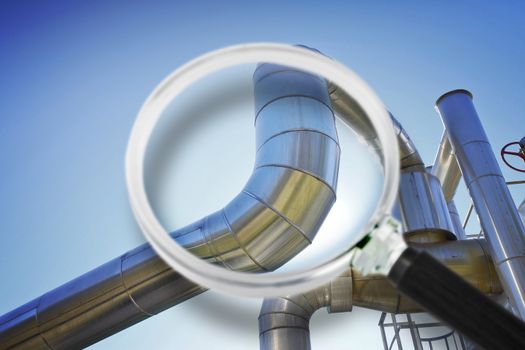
{"x":344,"y":105}
{"x":293,"y":185}
{"x":276,"y":215}
{"x":284,"y":322}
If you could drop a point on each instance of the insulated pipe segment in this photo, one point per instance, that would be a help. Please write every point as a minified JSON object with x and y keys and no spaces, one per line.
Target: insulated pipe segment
{"x":422,"y":203}
{"x":446,"y":168}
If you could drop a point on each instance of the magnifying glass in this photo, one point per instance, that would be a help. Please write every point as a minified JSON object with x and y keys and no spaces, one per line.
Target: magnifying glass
{"x":262,"y":243}
{"x":279,"y":211}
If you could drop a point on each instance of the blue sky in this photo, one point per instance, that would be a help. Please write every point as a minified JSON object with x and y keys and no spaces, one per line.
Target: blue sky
{"x":74,"y":74}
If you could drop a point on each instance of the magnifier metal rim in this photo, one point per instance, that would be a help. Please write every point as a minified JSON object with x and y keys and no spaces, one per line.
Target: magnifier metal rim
{"x":219,"y":278}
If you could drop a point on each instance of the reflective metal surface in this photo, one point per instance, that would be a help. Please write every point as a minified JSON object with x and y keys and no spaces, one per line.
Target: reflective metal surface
{"x":422,"y":203}
{"x":344,"y":105}
{"x":257,"y":229}
{"x":456,"y":220}
{"x":446,"y":168}
{"x":291,"y":114}
{"x":316,"y":156}
{"x":281,"y":83}
{"x":270,"y":221}
{"x":497,"y":213}
{"x":521,"y":210}
{"x":274,"y":186}
{"x":469,"y":259}
{"x":93,"y":306}
{"x":408,"y":154}
{"x":284,"y":322}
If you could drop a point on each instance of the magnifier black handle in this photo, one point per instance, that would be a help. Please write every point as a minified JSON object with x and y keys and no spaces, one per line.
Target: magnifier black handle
{"x":453,"y":300}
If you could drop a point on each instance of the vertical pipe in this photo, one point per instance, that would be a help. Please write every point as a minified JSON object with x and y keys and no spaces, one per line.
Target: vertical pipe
{"x":284,"y":322}
{"x":446,"y":169}
{"x":422,"y":203}
{"x":498,"y":215}
{"x":456,"y":220}
{"x":521,"y":210}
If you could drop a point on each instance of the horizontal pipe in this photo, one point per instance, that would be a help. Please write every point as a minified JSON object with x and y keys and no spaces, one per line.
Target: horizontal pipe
{"x":284,"y":322}
{"x":468,"y":258}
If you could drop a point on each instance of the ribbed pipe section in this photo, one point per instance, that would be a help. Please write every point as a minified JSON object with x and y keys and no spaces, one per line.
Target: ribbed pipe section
{"x":275,"y":216}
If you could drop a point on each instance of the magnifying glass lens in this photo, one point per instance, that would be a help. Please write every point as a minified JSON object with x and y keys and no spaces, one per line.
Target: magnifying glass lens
{"x":261,"y":185}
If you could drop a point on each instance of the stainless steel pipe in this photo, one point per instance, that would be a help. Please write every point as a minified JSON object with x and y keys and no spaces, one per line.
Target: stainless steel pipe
{"x":276,"y":215}
{"x":456,"y":220}
{"x":420,"y":195}
{"x":521,"y":210}
{"x":446,"y":168}
{"x":284,"y":322}
{"x":497,"y":213}
{"x":346,"y":107}
{"x":422,"y":202}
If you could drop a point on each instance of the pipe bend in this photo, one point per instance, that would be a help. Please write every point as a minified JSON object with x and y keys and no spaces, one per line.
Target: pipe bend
{"x":284,"y":322}
{"x":275,"y":216}
{"x":292,"y":187}
{"x":345,"y":106}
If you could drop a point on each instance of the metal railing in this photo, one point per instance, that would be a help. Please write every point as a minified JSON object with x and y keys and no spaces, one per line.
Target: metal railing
{"x":397,"y":329}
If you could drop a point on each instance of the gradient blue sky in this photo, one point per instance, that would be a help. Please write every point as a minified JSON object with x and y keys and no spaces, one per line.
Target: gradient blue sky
{"x":74,"y":74}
